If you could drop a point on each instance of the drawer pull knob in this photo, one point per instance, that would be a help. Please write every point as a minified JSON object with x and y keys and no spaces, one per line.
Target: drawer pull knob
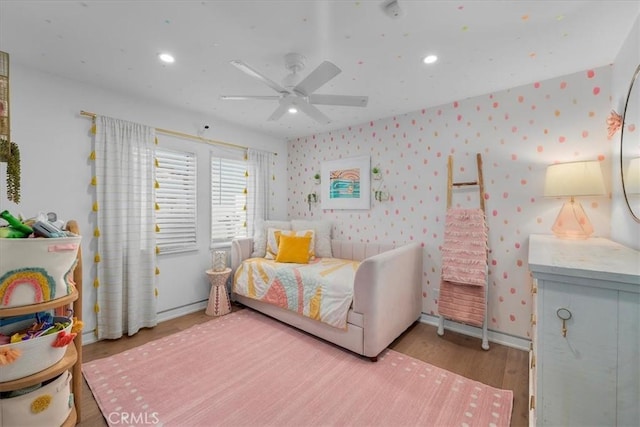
{"x":564,"y":314}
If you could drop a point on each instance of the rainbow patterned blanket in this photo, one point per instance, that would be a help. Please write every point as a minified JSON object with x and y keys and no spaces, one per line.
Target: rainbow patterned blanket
{"x":321,"y":290}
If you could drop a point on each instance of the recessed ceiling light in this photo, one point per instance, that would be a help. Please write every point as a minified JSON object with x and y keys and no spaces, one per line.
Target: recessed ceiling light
{"x":430,"y":59}
{"x":293,"y":110}
{"x":165,"y":57}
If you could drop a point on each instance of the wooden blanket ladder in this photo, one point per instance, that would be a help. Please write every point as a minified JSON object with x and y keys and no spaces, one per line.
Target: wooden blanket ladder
{"x":451,"y":184}
{"x":479,"y":183}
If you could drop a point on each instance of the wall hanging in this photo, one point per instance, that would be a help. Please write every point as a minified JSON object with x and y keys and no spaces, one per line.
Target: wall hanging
{"x":346,"y":183}
{"x":376,"y":173}
{"x":5,"y":125}
{"x":9,"y":152}
{"x":312,"y":198}
{"x":381,"y":196}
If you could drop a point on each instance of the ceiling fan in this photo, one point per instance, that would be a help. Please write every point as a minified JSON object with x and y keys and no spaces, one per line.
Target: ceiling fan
{"x":297,"y":94}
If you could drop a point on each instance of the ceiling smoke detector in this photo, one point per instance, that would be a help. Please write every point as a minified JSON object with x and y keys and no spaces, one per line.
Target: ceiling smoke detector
{"x":391,"y":8}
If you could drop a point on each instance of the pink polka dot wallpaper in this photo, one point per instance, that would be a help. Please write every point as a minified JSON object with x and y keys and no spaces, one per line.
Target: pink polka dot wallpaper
{"x":518,"y":133}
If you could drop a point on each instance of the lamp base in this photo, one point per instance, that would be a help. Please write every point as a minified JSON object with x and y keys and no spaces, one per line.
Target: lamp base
{"x":572,"y":222}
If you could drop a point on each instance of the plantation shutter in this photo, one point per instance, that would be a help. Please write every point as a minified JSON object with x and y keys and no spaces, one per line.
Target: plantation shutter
{"x":228,"y":199}
{"x":175,"y":200}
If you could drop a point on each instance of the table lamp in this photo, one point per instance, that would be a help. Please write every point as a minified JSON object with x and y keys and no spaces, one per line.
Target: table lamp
{"x":572,"y":180}
{"x":632,"y":177}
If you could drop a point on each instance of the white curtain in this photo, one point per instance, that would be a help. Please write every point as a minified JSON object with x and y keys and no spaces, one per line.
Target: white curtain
{"x":125,"y":214}
{"x":258,"y":193}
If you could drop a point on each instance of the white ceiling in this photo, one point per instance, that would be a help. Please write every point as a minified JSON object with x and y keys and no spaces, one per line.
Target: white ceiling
{"x":483,"y":46}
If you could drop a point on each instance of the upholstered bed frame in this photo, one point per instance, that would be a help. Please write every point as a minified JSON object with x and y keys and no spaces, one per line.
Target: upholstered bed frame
{"x":387,"y":295}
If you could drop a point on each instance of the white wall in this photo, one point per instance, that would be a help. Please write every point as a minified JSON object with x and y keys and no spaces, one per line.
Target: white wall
{"x":624,"y":228}
{"x":55,"y":145}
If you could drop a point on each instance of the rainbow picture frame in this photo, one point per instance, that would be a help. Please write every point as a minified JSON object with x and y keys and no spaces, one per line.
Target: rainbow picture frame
{"x":346,"y":183}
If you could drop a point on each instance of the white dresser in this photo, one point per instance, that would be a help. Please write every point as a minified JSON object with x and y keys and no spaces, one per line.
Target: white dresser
{"x":591,"y":376}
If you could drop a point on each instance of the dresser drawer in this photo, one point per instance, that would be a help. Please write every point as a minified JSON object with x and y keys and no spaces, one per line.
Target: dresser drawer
{"x":578,"y":371}
{"x":585,"y":369}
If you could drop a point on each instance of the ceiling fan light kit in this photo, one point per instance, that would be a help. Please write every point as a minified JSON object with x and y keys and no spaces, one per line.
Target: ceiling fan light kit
{"x":299,"y":95}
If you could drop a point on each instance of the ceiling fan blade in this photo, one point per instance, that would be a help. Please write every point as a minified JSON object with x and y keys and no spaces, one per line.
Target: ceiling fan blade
{"x":256,"y":74}
{"x":318,"y":77}
{"x":285,"y":103}
{"x":245,"y":97}
{"x":313,"y":112}
{"x":346,"y":100}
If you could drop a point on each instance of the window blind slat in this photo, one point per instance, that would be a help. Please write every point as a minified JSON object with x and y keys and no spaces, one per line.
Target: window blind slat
{"x":228,"y":199}
{"x":176,"y":200}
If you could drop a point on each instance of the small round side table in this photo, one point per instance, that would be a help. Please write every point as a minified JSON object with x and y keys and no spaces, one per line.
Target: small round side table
{"x":219,"y":303}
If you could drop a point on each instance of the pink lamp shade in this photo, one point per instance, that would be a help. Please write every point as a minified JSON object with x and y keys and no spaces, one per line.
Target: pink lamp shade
{"x":571,"y":180}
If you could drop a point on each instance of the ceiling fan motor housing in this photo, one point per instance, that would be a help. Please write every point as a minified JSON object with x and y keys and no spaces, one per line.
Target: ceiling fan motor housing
{"x":294,"y":62}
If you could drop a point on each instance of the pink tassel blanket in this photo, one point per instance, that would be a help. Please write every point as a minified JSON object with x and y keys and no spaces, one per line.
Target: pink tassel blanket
{"x":464,"y":267}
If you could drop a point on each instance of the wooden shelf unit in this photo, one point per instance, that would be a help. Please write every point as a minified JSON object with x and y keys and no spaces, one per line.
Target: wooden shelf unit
{"x":72,"y":359}
{"x":68,"y":360}
{"x":34,"y":308}
{"x":72,"y":419}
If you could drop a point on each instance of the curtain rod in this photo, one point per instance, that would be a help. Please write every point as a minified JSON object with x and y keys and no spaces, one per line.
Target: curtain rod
{"x":183,"y":135}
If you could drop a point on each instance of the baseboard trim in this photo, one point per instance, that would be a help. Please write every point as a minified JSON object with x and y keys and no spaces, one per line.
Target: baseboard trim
{"x":520,"y":343}
{"x":163,"y":316}
{"x":89,"y":337}
{"x":494,"y":336}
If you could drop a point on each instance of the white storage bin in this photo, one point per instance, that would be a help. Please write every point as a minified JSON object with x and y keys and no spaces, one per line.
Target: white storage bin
{"x":35,"y":355}
{"x":46,"y":406}
{"x":36,"y":270}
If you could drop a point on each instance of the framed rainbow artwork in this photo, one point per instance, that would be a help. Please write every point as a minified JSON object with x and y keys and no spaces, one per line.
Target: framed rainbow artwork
{"x":346,"y":183}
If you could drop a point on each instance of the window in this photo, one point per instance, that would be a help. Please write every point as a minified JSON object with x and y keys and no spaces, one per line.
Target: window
{"x":228,"y":199}
{"x":176,"y":200}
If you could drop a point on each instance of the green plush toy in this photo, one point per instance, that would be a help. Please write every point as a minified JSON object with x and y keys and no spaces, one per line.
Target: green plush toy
{"x":16,"y":229}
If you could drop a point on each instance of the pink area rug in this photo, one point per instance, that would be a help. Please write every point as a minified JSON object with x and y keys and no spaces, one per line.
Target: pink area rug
{"x":245,"y":369}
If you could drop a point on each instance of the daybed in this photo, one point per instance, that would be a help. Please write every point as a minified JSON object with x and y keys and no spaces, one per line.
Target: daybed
{"x":386,"y":295}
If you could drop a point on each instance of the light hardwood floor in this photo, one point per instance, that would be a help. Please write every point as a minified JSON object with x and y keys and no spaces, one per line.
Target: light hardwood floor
{"x":501,"y":366}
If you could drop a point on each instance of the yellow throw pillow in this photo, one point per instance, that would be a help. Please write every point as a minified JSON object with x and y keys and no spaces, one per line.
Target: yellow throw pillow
{"x":293,"y":249}
{"x":273,"y":241}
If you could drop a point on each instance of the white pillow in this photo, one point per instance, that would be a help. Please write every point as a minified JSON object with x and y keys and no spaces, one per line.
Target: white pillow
{"x":260,"y":235}
{"x":273,"y":238}
{"x":322,"y":230}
